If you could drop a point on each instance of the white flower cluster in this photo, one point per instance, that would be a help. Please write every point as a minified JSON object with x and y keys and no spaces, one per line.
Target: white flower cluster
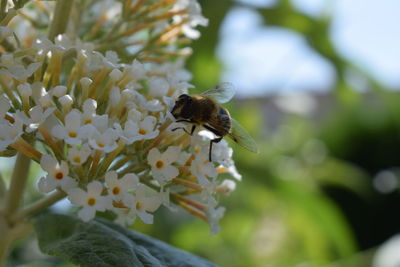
{"x":100,"y":127}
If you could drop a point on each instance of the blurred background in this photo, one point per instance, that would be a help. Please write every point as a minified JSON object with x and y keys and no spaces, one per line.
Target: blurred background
{"x":317,"y":86}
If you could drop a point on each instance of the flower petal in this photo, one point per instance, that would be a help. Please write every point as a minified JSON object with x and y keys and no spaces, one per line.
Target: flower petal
{"x":87,"y":213}
{"x":94,"y":188}
{"x":153,"y":156}
{"x":170,"y":172}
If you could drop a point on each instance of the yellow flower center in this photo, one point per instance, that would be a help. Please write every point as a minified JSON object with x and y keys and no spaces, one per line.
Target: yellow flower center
{"x":76,"y":159}
{"x":72,"y":134}
{"x":91,"y":201}
{"x":116,"y":190}
{"x":87,"y":121}
{"x":142,"y":131}
{"x":159,"y":164}
{"x":59,"y":175}
{"x":100,"y":144}
{"x":138,"y":206}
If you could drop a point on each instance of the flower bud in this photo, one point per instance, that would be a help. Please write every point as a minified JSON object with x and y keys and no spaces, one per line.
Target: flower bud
{"x":59,"y":91}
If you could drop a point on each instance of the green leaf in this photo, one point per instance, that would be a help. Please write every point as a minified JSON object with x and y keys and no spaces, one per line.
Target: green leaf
{"x":103,"y":243}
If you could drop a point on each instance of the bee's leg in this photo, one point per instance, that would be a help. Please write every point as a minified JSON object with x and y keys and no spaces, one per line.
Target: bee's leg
{"x":216,"y":140}
{"x":184,"y":129}
{"x":183,"y":120}
{"x":193,"y":128}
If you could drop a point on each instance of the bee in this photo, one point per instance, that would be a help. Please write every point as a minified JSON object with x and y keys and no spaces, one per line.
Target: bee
{"x":205,"y":110}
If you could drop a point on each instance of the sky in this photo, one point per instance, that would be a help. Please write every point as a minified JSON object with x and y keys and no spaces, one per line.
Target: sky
{"x":275,"y":60}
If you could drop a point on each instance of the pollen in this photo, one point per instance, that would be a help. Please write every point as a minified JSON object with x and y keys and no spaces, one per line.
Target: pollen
{"x":159,"y":164}
{"x":142,"y":131}
{"x":77,"y":159}
{"x":91,"y":201}
{"x":222,"y":169}
{"x":72,"y":134}
{"x":100,"y":144}
{"x":59,"y":175}
{"x":116,"y":190}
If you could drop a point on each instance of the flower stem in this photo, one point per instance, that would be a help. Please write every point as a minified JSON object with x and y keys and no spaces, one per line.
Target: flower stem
{"x":60,"y":18}
{"x":3,"y":5}
{"x":38,"y":206}
{"x":17,"y":185}
{"x":9,"y":235}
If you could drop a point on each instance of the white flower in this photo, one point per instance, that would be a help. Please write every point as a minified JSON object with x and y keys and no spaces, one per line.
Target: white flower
{"x":106,"y":141}
{"x":66,"y":102}
{"x":59,"y":91}
{"x":4,"y":106}
{"x":85,"y":83}
{"x":202,"y":168}
{"x":118,"y":188}
{"x":100,"y":122}
{"x":79,"y":156}
{"x":161,"y":163}
{"x":147,"y":128}
{"x":135,"y":115}
{"x":57,"y":175}
{"x":24,"y":90}
{"x":20,"y":72}
{"x":199,"y":144}
{"x":90,"y":201}
{"x":153,"y":105}
{"x":213,"y":217}
{"x":73,"y":132}
{"x":45,"y":100}
{"x":142,"y":130}
{"x":222,"y":153}
{"x":145,"y":200}
{"x":10,"y":132}
{"x":38,"y":91}
{"x":37,"y":116}
{"x":234,"y":172}
{"x":135,"y":71}
{"x":115,"y":75}
{"x":194,"y":16}
{"x":226,"y":187}
{"x":158,"y":86}
{"x":89,"y":111}
{"x":178,"y":86}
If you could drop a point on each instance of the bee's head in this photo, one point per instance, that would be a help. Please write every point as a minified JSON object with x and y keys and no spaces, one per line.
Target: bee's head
{"x":180,"y":104}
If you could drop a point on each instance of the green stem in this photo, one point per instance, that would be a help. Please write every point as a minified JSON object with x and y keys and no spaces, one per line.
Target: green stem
{"x":3,"y":5}
{"x":38,"y":206}
{"x":9,"y":235}
{"x":17,"y":185}
{"x":60,"y":18}
{"x":2,"y":188}
{"x":8,"y":17}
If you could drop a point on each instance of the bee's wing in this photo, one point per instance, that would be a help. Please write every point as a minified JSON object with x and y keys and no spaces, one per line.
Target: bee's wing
{"x":221,"y":93}
{"x":242,"y":137}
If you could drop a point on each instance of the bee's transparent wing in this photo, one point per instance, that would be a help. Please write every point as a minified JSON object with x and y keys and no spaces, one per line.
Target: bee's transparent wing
{"x":221,"y":93}
{"x":242,"y":137}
